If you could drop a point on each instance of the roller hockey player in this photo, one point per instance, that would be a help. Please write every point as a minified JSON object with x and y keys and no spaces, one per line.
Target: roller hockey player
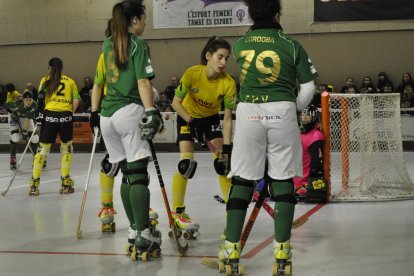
{"x":267,"y":128}
{"x":22,"y":115}
{"x":61,"y":98}
{"x":121,"y":119}
{"x":310,"y":187}
{"x":199,"y":121}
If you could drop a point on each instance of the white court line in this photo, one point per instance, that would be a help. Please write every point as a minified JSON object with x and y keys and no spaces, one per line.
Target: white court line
{"x":52,"y":180}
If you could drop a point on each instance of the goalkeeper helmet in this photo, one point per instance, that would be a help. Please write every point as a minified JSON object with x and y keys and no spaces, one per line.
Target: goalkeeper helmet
{"x":309,"y":118}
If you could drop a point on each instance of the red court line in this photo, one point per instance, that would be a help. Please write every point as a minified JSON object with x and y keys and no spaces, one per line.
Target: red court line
{"x":253,"y":252}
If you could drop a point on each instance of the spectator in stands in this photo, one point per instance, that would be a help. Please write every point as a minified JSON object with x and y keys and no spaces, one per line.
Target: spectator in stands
{"x":163,"y":102}
{"x":349,"y":82}
{"x":352,"y":90}
{"x":85,"y":94}
{"x":12,"y":93}
{"x":170,"y":90}
{"x":30,"y":87}
{"x":382,"y":81}
{"x":367,"y":86}
{"x":407,"y":99}
{"x":406,"y":80}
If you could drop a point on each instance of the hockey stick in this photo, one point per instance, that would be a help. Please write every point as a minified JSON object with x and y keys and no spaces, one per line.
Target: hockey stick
{"x":182,"y":248}
{"x":20,"y":162}
{"x":85,"y":192}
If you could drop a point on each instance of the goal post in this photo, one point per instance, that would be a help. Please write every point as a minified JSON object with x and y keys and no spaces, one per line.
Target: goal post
{"x":363,"y":154}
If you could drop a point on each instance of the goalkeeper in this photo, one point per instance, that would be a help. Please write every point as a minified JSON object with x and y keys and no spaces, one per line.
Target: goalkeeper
{"x":312,"y":145}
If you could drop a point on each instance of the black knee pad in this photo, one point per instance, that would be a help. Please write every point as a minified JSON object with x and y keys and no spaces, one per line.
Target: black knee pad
{"x":142,"y":172}
{"x":109,"y":168}
{"x":240,"y":194}
{"x":187,"y":167}
{"x":283,"y":197}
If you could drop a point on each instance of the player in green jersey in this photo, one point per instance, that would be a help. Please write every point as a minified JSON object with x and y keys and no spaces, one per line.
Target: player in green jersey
{"x":22,"y":115}
{"x":128,"y":100}
{"x":270,"y":64}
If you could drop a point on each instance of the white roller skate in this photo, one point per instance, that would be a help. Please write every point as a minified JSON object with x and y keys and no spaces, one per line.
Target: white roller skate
{"x":283,"y":254}
{"x":106,"y":215}
{"x":147,"y":245}
{"x":185,"y":226}
{"x":34,"y":186}
{"x":67,"y":185}
{"x":229,"y":258}
{"x":12,"y":162}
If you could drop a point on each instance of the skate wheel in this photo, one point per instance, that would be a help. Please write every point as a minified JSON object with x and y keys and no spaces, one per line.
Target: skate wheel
{"x":228,"y":270}
{"x":144,"y":256}
{"x":220,"y":266}
{"x":240,"y":270}
{"x":113,"y":227}
{"x":188,"y":235}
{"x":156,"y":253}
{"x":60,"y":191}
{"x":128,"y":249}
{"x":36,"y":193}
{"x":134,"y":253}
{"x":288,"y":269}
{"x":170,"y":234}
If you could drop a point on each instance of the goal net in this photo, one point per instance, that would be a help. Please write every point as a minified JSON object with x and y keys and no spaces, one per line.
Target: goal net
{"x":363,"y":154}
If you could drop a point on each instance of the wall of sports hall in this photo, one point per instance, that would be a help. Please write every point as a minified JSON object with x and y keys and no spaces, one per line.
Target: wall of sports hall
{"x":31,"y":32}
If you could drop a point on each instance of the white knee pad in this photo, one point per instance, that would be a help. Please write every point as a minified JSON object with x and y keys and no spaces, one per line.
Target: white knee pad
{"x":35,"y":139}
{"x":15,"y":137}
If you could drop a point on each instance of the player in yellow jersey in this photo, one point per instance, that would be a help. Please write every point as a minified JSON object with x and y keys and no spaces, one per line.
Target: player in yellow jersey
{"x":198,"y":99}
{"x":61,"y":98}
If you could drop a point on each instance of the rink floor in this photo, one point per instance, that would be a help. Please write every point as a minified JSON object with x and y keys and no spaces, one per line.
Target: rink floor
{"x":38,"y":234}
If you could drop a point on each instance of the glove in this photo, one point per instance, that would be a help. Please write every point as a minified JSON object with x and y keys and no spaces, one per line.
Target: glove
{"x":222,"y":165}
{"x":196,"y":129}
{"x":39,"y":118}
{"x":151,"y":123}
{"x":94,"y":121}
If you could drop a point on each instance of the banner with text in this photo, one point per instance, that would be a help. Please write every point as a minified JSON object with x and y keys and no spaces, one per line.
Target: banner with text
{"x":199,"y":13}
{"x":356,"y":10}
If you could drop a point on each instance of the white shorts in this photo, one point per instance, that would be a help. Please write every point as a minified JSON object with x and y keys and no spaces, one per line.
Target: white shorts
{"x":122,"y":134}
{"x":267,"y":130}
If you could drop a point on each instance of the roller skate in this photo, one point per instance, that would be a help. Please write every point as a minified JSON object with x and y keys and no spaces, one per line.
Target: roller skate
{"x":185,"y":226}
{"x":12,"y":162}
{"x":67,"y":185}
{"x":283,"y":254}
{"x":229,"y":257}
{"x":147,"y":245}
{"x":131,"y":239}
{"x":34,"y":186}
{"x":106,"y":216}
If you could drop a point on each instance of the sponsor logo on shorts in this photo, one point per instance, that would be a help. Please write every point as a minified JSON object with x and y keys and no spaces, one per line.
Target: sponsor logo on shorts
{"x":185,"y":130}
{"x":58,"y":120}
{"x":264,"y":117}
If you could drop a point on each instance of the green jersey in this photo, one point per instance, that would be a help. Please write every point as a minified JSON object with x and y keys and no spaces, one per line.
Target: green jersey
{"x":18,"y":110}
{"x":121,"y":84}
{"x":270,"y":63}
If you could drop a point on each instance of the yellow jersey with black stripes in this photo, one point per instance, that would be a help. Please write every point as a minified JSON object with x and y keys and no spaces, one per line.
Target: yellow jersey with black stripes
{"x":201,"y":97}
{"x":62,"y":98}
